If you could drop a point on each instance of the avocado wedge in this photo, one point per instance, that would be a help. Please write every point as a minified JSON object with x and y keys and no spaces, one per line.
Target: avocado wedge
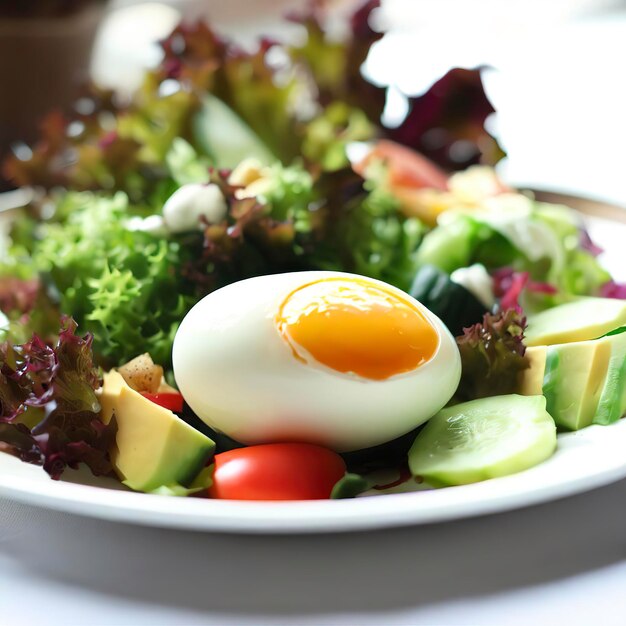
{"x":579,"y":320}
{"x":154,"y":448}
{"x":584,"y":382}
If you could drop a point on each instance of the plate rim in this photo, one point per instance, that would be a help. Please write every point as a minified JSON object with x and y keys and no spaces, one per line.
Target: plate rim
{"x":281,"y":518}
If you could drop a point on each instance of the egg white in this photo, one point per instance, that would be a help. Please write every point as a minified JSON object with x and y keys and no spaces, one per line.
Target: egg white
{"x":240,"y":376}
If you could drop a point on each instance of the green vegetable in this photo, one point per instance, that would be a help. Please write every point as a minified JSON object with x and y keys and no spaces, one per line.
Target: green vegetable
{"x":328,"y":134}
{"x":153,"y":448}
{"x":457,"y":307}
{"x":612,"y":404}
{"x":372,"y":237}
{"x":123,"y":286}
{"x":462,"y":241}
{"x":584,"y":382}
{"x":185,"y":164}
{"x":225,"y":137}
{"x":483,"y":439}
{"x":580,"y":320}
{"x":543,"y":240}
{"x":200,"y":484}
{"x":493,"y":355}
{"x":49,"y":411}
{"x":350,"y":486}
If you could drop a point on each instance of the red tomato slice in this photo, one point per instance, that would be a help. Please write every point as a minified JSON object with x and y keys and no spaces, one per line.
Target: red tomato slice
{"x":276,"y":471}
{"x":169,"y":400}
{"x":406,"y":167}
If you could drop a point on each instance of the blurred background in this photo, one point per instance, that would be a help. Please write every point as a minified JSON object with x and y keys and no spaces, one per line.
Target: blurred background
{"x":555,"y":71}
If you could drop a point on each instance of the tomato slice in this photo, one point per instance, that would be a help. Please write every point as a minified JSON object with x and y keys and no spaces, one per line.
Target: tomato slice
{"x":407,"y":168}
{"x":277,"y":471}
{"x":168,"y":400}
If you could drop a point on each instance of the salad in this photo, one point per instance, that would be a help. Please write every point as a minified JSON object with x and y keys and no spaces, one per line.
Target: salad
{"x":241,"y":284}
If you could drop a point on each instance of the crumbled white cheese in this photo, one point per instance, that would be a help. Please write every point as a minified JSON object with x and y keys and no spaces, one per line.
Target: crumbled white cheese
{"x":185,"y":207}
{"x":152,"y":224}
{"x":477,"y":281}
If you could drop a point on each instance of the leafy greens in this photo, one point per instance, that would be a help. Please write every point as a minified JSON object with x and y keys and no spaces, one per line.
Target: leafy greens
{"x":492,"y":355}
{"x":49,"y":411}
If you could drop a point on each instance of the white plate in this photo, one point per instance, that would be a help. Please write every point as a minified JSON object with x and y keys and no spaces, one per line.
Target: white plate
{"x":584,"y":460}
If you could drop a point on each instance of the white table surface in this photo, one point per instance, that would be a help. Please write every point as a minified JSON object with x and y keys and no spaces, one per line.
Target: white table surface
{"x":559,"y":563}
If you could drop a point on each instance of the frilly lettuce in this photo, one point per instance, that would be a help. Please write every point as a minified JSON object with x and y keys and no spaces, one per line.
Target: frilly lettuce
{"x":49,"y":412}
{"x":369,"y":235}
{"x":109,"y":276}
{"x":492,"y":355}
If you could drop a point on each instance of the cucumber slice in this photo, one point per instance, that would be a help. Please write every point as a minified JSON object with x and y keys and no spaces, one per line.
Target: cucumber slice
{"x":483,"y":439}
{"x":456,"y":306}
{"x":225,"y":137}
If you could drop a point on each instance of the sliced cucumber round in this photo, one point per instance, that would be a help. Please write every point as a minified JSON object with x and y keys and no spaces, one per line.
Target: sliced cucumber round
{"x":483,"y":439}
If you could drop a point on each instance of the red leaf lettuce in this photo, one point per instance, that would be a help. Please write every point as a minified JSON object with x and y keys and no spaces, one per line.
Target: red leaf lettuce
{"x":49,"y":411}
{"x":492,"y":355}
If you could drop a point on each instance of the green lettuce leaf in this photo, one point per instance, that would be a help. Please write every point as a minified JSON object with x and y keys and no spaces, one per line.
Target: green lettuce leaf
{"x":350,"y":486}
{"x":544,"y":241}
{"x":369,"y":235}
{"x":110,"y":276}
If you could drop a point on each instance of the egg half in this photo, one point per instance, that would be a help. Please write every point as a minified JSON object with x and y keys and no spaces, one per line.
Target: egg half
{"x":329,"y":358}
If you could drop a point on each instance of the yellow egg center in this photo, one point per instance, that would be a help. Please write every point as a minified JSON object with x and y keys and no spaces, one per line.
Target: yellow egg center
{"x":354,"y":325}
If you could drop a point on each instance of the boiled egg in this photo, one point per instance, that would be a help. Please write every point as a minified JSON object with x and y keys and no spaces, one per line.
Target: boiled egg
{"x":329,"y":358}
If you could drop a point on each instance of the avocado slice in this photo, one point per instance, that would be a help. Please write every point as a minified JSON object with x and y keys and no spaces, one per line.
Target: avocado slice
{"x":584,"y":382}
{"x":154,"y":448}
{"x":573,"y":380}
{"x":580,"y":320}
{"x":530,"y":381}
{"x":612,"y":405}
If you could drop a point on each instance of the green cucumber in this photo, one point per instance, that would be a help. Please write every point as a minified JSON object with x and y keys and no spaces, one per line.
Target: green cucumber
{"x":225,"y":137}
{"x":483,"y":439}
{"x":456,"y":306}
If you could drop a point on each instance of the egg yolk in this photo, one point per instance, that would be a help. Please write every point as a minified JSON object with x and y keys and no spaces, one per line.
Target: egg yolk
{"x":352,"y":325}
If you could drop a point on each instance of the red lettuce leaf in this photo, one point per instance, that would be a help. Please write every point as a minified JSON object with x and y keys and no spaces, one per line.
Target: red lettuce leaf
{"x":49,"y":412}
{"x":509,"y":286}
{"x":250,"y":241}
{"x":334,"y":67}
{"x":106,"y":143}
{"x":613,"y":290}
{"x":110,"y":144}
{"x":586,"y":243}
{"x":492,"y":355}
{"x":258,"y":91}
{"x":17,"y":295}
{"x":447,"y":123}
{"x":16,"y":439}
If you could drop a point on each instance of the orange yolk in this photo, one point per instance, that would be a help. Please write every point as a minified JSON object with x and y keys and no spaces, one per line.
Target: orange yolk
{"x":353,"y":325}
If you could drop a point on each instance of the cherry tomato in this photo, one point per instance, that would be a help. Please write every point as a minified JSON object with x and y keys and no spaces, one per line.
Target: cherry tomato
{"x":276,"y":471}
{"x":407,"y":168}
{"x":168,"y":400}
